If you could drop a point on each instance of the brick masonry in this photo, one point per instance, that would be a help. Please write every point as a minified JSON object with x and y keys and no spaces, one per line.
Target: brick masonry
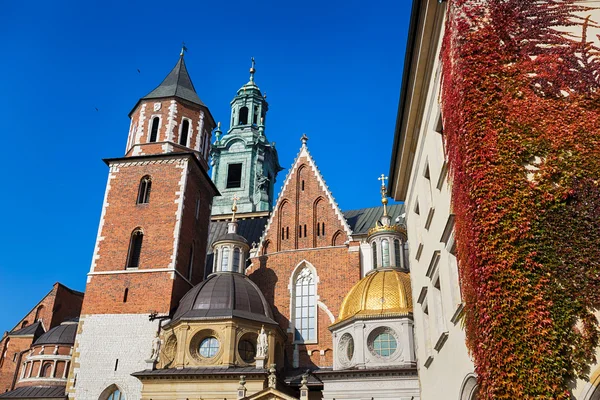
{"x":306,"y":201}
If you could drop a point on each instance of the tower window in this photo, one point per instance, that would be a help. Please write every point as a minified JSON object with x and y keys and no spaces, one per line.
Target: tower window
{"x":125,"y":294}
{"x":303,"y":185}
{"x":299,"y":230}
{"x":385,"y":253}
{"x":374,"y":248}
{"x":236,"y":260}
{"x":185,"y":128}
{"x":225,"y":260}
{"x":191,"y":263}
{"x":135,"y":248}
{"x":323,"y":228}
{"x":144,"y":190}
{"x":318,"y":229}
{"x":255,"y":117}
{"x":398,"y":262}
{"x":304,"y":230}
{"x":234,"y":176}
{"x":154,"y":129}
{"x":282,"y":233}
{"x":243,"y":116}
{"x":287,"y":232}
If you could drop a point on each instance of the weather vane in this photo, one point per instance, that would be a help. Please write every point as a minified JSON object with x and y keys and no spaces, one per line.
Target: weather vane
{"x":252,"y":69}
{"x":183,"y":48}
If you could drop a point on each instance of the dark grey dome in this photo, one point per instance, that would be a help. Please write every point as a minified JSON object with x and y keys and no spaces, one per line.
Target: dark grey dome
{"x":231,"y":237}
{"x":224,"y":295}
{"x":61,"y":334}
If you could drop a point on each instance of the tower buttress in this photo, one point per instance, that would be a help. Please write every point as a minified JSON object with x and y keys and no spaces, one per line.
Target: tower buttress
{"x":244,"y":163}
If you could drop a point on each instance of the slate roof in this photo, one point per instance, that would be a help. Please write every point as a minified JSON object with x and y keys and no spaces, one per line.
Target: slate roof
{"x":33,"y":392}
{"x":35,"y":329}
{"x":61,"y":334}
{"x":236,"y":371}
{"x":177,"y":84}
{"x":224,"y":295}
{"x":363,"y":219}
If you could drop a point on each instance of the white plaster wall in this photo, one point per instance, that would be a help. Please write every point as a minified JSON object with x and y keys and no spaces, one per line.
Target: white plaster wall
{"x":102,"y":340}
{"x":372,"y":388}
{"x":450,"y":363}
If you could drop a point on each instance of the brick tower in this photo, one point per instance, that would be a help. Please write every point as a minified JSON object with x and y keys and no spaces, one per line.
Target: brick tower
{"x":152,"y":236}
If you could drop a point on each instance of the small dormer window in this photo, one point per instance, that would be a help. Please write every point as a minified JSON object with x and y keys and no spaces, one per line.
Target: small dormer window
{"x":185,"y":128}
{"x":243,"y":116}
{"x":154,"y":129}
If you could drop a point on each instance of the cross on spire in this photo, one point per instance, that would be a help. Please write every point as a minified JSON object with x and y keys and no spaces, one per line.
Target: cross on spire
{"x":384,"y":199}
{"x":382,"y":178}
{"x":183,"y":49}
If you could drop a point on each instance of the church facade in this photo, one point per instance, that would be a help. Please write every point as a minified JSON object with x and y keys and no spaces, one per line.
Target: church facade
{"x":204,"y":285}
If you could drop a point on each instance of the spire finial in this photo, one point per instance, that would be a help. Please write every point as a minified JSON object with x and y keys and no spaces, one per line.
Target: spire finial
{"x":183,"y":49}
{"x":252,"y":69}
{"x":384,"y":199}
{"x":234,"y":207}
{"x":304,"y":139}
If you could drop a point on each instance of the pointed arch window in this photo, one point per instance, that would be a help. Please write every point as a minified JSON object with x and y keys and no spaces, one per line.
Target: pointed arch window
{"x":374,"y":249}
{"x":144,"y":190}
{"x":305,"y":306}
{"x":243,"y":116}
{"x":135,"y":248}
{"x":154,"y":129}
{"x":225,"y":259}
{"x":385,"y":253}
{"x":236,"y":260}
{"x":185,"y":128}
{"x":116,"y":395}
{"x":38,"y":312}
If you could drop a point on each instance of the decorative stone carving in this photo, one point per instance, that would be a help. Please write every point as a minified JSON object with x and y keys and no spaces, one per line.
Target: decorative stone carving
{"x":262,"y":343}
{"x":156,"y":344}
{"x":157,"y":106}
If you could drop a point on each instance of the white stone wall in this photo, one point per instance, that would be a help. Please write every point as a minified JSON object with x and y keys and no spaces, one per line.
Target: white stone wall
{"x":101,"y":341}
{"x":372,"y":387}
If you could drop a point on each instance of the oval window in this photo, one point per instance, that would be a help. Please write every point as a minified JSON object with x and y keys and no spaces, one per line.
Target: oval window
{"x":209,"y":347}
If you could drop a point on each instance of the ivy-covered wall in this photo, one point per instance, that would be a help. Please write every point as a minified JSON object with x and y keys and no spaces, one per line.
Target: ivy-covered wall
{"x":521,"y":113}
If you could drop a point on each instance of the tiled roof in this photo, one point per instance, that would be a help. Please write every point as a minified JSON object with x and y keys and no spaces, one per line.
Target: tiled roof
{"x":61,"y":334}
{"x":363,"y":219}
{"x":35,"y":329}
{"x":35,"y":392}
{"x":177,"y":84}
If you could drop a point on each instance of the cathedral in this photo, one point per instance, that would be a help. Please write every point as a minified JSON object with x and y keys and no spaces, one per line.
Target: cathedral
{"x":205,"y":284}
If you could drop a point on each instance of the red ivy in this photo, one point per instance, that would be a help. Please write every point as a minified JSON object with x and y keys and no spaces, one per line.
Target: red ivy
{"x":520,"y":101}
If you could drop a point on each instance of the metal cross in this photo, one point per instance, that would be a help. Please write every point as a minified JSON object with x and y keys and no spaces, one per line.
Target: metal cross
{"x":234,"y":207}
{"x":382,"y":178}
{"x":183,"y":48}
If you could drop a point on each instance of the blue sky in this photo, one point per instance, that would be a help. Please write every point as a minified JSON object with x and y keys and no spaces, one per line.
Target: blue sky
{"x":331,"y":70}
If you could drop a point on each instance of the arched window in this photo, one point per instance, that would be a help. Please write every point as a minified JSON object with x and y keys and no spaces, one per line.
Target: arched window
{"x":144,"y":190}
{"x":385,"y":253}
{"x":38,"y":313}
{"x":255,"y":117}
{"x":397,"y":256}
{"x":135,"y":248}
{"x":46,"y":371}
{"x":305,"y":306}
{"x":185,"y":128}
{"x":374,"y":248}
{"x":190,"y":263}
{"x":24,"y":324}
{"x":243,"y":116}
{"x":266,"y":248}
{"x":225,"y":259}
{"x":215,"y":260}
{"x":154,"y":129}
{"x":236,"y":260}
{"x":116,"y":395}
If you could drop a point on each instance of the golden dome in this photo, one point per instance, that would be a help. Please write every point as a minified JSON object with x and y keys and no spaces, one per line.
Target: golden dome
{"x":383,"y":292}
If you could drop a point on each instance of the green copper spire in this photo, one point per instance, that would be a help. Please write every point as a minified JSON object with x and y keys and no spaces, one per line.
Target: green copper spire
{"x":245,"y":164}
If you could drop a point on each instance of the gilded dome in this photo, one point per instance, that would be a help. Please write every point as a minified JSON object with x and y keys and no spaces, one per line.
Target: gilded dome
{"x":382,"y":293}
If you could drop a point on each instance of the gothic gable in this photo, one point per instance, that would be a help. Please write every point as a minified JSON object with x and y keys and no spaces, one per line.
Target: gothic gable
{"x":305,"y":215}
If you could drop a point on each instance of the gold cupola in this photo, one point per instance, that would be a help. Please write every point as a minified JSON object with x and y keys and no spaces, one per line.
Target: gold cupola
{"x":383,"y":293}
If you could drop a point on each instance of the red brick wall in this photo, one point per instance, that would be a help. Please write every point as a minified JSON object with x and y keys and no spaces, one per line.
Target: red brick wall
{"x":337,"y":269}
{"x":7,"y":365}
{"x":105,"y":293}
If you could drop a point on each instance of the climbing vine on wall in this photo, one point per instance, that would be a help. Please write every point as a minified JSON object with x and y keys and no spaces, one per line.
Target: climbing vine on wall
{"x":521,"y":112}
